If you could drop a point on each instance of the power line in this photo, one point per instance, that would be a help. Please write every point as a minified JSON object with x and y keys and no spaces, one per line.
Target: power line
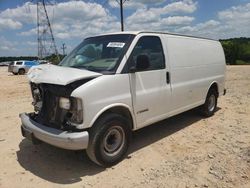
{"x":45,"y":37}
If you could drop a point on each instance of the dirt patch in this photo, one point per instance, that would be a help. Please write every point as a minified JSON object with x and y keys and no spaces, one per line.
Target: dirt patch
{"x":183,"y":151}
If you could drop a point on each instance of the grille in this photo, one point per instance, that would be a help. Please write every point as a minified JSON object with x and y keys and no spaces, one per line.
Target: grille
{"x":46,"y":105}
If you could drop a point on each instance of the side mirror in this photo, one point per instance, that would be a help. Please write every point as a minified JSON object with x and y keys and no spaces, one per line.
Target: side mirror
{"x":142,"y":62}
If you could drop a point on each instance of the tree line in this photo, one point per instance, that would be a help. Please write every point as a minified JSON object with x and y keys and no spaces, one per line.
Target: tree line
{"x":237,"y":52}
{"x":52,"y":58}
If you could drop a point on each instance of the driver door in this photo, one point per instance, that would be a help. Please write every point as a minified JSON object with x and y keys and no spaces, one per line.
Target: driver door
{"x":150,"y":90}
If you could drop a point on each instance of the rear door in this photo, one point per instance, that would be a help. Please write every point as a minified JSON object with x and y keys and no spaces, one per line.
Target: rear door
{"x":10,"y":67}
{"x":150,"y":89}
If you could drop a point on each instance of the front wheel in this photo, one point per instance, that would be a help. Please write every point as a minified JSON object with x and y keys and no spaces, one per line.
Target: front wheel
{"x":109,"y":140}
{"x":210,"y":105}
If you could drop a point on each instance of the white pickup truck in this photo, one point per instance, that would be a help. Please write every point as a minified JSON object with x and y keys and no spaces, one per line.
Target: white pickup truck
{"x":113,"y":84}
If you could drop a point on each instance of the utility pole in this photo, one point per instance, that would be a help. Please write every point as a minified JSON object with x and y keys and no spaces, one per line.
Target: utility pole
{"x":121,"y":11}
{"x":63,"y":48}
{"x":121,"y":2}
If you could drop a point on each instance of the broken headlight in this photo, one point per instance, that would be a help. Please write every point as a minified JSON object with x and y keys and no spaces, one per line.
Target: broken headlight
{"x":75,"y":112}
{"x":64,"y":103}
{"x":37,"y":97}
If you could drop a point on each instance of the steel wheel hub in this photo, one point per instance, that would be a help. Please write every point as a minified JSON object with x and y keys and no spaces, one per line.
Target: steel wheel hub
{"x":113,"y":140}
{"x":211,"y":103}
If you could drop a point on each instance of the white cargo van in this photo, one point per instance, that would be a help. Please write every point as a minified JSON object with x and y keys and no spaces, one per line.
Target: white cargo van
{"x":113,"y":84}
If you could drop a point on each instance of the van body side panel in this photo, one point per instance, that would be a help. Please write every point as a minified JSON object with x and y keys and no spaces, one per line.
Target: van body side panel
{"x":195,"y":65}
{"x":102,"y":92}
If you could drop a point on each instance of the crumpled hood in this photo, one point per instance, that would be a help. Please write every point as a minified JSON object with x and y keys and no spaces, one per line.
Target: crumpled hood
{"x":53,"y":74}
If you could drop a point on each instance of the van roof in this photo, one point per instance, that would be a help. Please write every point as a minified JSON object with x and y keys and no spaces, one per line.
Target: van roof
{"x":156,"y":32}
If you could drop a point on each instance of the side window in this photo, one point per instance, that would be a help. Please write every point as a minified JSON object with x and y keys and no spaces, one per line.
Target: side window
{"x":27,"y":63}
{"x":152,"y":47}
{"x":30,"y":63}
{"x":19,"y":63}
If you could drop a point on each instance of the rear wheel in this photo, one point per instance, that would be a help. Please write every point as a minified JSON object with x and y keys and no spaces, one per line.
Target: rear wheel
{"x":210,"y":105}
{"x":109,"y":140}
{"x":21,"y":71}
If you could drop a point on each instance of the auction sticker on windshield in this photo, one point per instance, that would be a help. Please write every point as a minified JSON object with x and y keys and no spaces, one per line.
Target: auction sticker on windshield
{"x":116,"y":44}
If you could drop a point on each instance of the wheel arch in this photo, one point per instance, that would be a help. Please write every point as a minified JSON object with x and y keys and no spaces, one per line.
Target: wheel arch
{"x":21,"y":69}
{"x":214,"y":85}
{"x":119,"y":108}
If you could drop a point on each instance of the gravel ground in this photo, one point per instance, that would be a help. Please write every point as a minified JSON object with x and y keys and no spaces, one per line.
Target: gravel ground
{"x":183,"y":151}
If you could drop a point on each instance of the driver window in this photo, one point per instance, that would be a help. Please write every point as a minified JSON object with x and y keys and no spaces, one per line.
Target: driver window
{"x":150,"y":46}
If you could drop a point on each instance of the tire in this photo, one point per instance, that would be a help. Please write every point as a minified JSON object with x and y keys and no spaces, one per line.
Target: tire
{"x":14,"y":73}
{"x":109,"y":140}
{"x":21,"y":71}
{"x":210,"y":105}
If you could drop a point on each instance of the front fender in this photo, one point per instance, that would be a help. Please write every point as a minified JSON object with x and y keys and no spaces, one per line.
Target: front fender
{"x":103,"y":110}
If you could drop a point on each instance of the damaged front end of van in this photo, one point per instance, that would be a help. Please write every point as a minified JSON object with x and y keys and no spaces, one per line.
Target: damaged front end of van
{"x":57,"y":114}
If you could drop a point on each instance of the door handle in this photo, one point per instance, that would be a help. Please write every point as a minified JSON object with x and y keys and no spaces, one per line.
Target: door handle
{"x":167,"y":77}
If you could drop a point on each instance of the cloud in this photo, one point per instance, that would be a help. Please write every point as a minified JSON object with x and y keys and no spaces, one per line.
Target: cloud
{"x":209,"y":29}
{"x":135,"y":4}
{"x":177,"y":20}
{"x":236,"y":13}
{"x":72,"y":19}
{"x":185,"y":6}
{"x":236,"y":21}
{"x":29,"y":32}
{"x":76,"y":19}
{"x":231,"y":22}
{"x":31,"y":43}
{"x":181,"y":7}
{"x":6,"y":23}
{"x":162,"y":18}
{"x":7,"y":45}
{"x":199,"y":27}
{"x":25,"y":14}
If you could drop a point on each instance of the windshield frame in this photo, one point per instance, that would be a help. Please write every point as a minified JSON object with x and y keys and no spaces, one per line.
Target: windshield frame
{"x":121,"y":56}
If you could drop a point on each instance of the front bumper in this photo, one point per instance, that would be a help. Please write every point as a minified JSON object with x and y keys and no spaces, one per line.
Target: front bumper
{"x":55,"y":137}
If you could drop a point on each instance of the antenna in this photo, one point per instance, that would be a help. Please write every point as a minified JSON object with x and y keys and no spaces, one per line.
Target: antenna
{"x":45,"y":38}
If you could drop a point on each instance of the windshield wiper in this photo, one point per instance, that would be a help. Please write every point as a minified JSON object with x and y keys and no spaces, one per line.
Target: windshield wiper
{"x":78,"y":66}
{"x":90,"y":68}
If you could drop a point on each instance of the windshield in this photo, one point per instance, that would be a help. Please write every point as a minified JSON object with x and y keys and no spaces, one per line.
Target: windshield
{"x":100,"y":54}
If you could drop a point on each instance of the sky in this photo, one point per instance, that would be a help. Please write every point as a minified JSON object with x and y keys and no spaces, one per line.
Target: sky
{"x":72,"y":21}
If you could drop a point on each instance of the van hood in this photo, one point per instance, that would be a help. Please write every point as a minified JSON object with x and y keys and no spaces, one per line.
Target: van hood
{"x":54,"y":74}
